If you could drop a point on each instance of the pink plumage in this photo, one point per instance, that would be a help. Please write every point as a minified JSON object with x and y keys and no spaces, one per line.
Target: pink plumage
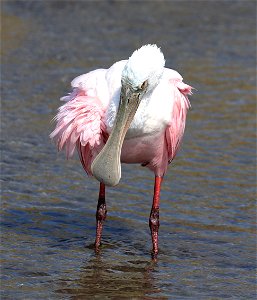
{"x":81,"y":124}
{"x":133,"y":112}
{"x":174,"y":132}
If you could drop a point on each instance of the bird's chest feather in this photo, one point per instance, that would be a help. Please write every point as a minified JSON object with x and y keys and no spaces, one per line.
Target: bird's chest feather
{"x":152,"y":116}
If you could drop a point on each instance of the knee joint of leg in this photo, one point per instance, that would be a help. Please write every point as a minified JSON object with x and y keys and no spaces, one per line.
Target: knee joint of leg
{"x":154,"y":222}
{"x":101,"y":212}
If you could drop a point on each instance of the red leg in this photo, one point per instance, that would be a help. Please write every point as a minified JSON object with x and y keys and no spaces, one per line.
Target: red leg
{"x":100,"y":215}
{"x":154,"y":216}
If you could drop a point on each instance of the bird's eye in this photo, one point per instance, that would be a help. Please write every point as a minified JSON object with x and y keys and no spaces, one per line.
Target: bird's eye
{"x":143,"y":85}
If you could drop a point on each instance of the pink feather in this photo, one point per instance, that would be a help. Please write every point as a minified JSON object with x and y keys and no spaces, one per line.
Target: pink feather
{"x":174,"y":132}
{"x":80,"y":123}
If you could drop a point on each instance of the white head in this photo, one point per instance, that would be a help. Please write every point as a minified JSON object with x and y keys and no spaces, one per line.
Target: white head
{"x":145,"y":64}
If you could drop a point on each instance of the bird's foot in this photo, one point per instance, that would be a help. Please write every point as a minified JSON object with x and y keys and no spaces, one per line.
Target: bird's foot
{"x":97,"y":248}
{"x":154,"y":255}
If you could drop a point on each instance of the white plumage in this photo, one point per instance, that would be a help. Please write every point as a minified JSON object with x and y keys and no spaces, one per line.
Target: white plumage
{"x":138,"y":69}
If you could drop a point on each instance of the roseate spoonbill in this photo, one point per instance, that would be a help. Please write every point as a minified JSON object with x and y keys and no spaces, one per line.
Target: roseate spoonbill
{"x":133,"y":112}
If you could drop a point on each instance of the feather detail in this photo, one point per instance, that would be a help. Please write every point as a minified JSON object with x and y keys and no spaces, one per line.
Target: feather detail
{"x":75,"y":93}
{"x":175,"y":130}
{"x":80,"y":124}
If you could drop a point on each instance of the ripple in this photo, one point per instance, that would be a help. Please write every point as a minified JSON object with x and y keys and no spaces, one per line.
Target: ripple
{"x":207,"y":213}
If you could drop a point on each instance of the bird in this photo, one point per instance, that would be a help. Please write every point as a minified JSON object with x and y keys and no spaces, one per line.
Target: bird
{"x":135,"y":113}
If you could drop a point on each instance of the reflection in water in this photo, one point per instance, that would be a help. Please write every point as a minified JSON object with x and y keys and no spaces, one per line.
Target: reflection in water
{"x":132,"y":279}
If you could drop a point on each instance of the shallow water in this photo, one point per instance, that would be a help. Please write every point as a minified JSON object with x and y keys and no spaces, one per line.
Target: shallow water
{"x":207,"y":233}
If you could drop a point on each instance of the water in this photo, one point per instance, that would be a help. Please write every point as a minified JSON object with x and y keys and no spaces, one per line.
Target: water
{"x":207,"y":233}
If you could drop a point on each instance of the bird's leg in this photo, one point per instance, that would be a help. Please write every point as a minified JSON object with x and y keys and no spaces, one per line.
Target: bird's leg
{"x":100,"y":215}
{"x":154,"y":216}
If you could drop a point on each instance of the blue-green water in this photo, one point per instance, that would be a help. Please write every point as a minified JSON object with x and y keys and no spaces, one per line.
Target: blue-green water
{"x":207,"y":233}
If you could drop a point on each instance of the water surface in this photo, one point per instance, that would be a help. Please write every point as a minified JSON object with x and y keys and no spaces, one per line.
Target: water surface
{"x":207,"y":233}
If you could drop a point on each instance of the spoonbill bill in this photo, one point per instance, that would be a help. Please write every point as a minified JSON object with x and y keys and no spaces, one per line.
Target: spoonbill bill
{"x":135,"y":113}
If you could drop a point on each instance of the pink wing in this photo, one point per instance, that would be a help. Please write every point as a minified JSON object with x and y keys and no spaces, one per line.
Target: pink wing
{"x":175,"y":130}
{"x":80,"y":123}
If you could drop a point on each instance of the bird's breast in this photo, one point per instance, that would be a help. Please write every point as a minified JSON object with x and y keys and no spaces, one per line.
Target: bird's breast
{"x":152,"y":116}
